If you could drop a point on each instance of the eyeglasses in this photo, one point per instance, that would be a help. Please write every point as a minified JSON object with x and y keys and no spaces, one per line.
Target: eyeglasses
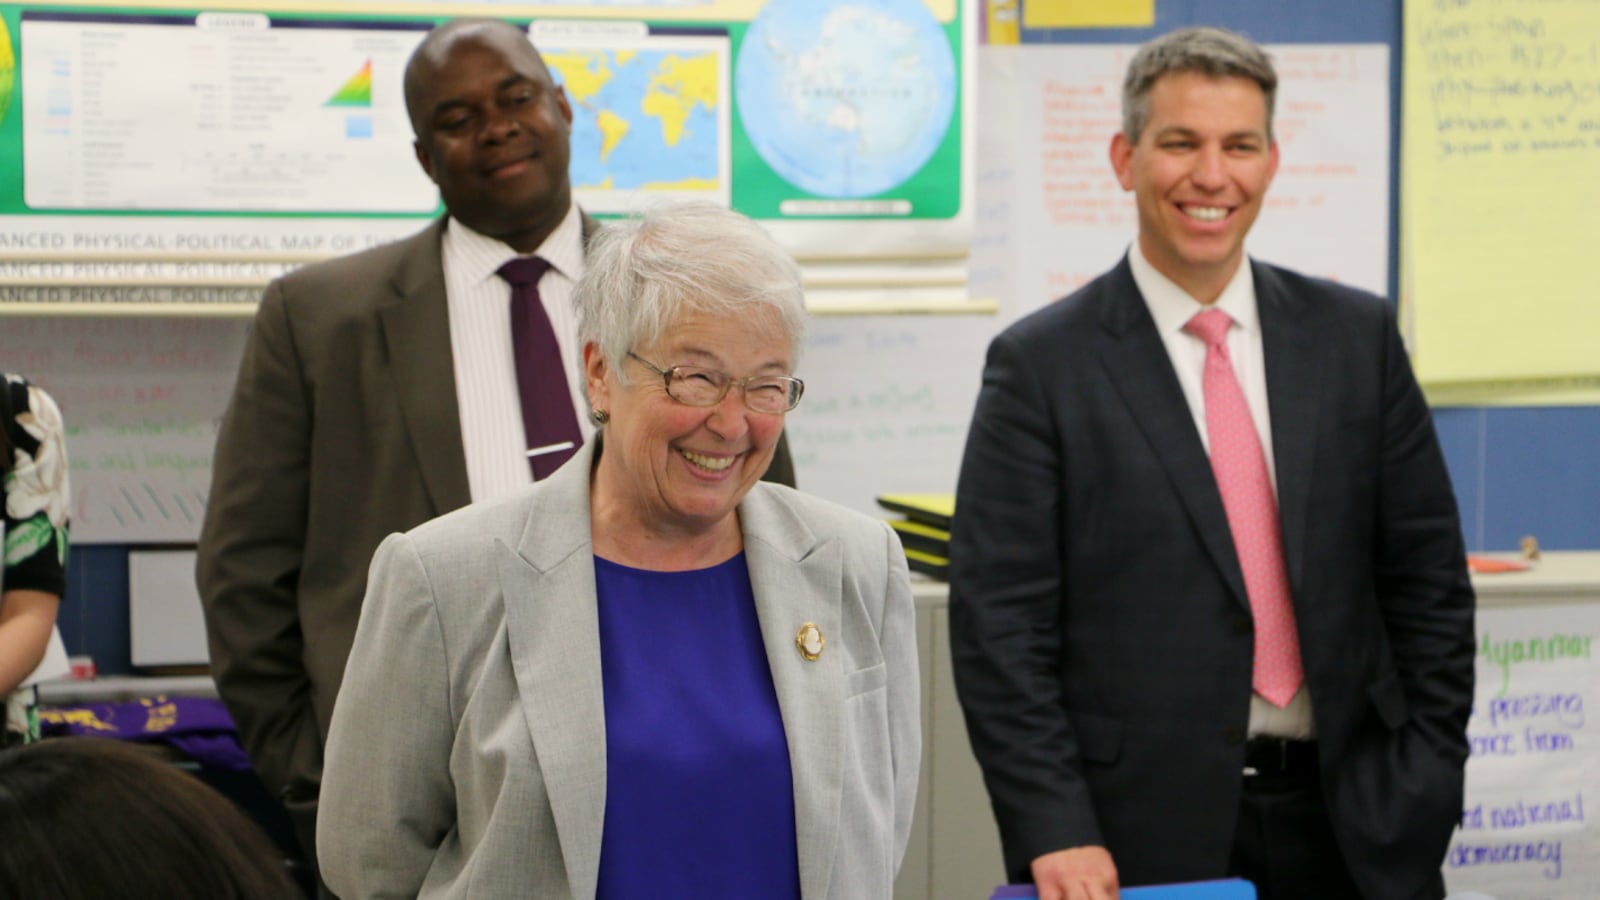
{"x":695,"y":386}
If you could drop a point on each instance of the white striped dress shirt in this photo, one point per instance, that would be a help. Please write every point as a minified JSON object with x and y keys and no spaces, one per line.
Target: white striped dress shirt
{"x":480,"y":341}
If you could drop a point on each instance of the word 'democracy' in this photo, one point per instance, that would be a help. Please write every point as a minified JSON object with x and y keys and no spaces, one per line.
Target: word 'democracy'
{"x":1465,"y":855}
{"x":1505,"y":846}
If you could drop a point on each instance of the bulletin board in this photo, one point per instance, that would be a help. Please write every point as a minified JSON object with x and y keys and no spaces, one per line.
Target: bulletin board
{"x":267,"y":138}
{"x":1502,"y":147}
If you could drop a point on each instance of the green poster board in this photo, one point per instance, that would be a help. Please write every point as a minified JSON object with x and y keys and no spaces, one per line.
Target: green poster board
{"x":183,"y":142}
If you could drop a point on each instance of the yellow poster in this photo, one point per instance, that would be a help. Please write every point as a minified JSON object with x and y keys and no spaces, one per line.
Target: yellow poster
{"x":1088,"y":13}
{"x":1501,"y":196}
{"x":1000,"y":22}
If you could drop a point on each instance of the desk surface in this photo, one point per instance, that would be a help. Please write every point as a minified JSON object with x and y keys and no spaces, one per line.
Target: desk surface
{"x":1562,"y":577}
{"x":121,"y":688}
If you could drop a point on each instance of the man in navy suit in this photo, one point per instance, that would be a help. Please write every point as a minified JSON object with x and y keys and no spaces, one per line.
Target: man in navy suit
{"x":1209,"y":603}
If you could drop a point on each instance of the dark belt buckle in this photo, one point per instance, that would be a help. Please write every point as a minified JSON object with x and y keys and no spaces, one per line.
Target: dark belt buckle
{"x":1268,"y":756}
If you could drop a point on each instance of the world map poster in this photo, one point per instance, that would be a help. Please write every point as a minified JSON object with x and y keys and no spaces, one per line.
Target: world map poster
{"x":268,"y":138}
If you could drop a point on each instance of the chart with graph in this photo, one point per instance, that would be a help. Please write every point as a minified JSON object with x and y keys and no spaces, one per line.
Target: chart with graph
{"x":303,"y":116}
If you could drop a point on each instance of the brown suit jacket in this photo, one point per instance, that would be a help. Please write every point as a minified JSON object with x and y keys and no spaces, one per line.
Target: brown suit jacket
{"x":343,"y":429}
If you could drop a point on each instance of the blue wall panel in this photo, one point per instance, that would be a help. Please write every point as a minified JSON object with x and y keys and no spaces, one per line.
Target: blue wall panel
{"x":1540,"y":477}
{"x":1461,"y":437}
{"x":94,"y":613}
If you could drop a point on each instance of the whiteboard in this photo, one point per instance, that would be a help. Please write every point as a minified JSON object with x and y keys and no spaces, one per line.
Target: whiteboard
{"x":1534,"y":769}
{"x":141,"y":400}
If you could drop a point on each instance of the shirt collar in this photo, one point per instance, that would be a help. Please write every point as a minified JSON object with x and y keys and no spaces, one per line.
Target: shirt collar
{"x":479,"y":256}
{"x":1171,"y":306}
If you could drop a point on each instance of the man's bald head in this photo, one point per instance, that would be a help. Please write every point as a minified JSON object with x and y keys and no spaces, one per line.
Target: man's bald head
{"x":435,"y":51}
{"x":492,"y":130}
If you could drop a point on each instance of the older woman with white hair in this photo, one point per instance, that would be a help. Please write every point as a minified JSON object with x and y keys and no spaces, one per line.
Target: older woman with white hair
{"x":651,"y":675}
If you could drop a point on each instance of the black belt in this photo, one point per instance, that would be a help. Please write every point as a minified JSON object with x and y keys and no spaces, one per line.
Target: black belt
{"x":1280,"y":757}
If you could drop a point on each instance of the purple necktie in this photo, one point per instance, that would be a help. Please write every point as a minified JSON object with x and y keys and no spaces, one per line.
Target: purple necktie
{"x":548,"y":420}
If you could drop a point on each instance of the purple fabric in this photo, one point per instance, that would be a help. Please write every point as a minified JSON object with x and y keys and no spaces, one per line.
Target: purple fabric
{"x":1228,"y":889}
{"x":215,"y":750}
{"x":699,"y":793}
{"x":547,"y":415}
{"x":198,"y":727}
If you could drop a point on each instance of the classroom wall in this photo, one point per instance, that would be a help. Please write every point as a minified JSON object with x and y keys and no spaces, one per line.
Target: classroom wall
{"x":1517,"y":471}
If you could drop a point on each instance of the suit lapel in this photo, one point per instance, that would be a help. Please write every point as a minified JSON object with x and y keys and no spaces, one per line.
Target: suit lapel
{"x":1141,"y":373}
{"x":796,"y":580}
{"x":416,"y":332}
{"x":1294,"y":360}
{"x":553,"y":633}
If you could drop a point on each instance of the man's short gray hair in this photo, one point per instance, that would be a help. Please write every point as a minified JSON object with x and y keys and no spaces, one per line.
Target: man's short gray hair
{"x":1216,"y":52}
{"x":649,"y":272}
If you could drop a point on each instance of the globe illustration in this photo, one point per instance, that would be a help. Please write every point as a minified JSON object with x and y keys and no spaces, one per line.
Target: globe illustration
{"x":846,"y":98}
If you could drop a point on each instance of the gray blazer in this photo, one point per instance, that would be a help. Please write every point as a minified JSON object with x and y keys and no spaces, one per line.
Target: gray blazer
{"x":343,"y":428}
{"x":467,"y":751}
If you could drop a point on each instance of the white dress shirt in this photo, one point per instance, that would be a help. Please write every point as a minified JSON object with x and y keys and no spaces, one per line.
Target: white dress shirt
{"x":1171,"y":307}
{"x":479,"y":302}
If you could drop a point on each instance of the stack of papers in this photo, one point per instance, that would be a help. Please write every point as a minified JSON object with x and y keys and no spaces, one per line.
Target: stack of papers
{"x":924,"y":530}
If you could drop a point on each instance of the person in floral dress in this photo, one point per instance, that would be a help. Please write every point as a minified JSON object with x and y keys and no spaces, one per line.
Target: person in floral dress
{"x":33,"y":458}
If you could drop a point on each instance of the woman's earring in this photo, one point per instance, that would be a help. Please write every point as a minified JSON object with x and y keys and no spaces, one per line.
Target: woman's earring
{"x":599,"y":417}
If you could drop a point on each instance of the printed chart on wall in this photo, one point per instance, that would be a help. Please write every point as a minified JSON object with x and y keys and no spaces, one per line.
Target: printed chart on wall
{"x":1501,"y":146}
{"x":1534,"y":769}
{"x":253,"y":138}
{"x":265,"y":138}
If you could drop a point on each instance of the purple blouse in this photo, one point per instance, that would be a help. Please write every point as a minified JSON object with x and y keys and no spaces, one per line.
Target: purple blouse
{"x":699,"y":795}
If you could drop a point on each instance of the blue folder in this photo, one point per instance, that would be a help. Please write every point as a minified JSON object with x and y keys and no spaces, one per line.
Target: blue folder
{"x":1231,"y":889}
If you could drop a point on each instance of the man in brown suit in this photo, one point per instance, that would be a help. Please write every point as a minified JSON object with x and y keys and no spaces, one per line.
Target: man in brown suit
{"x":346,"y":422}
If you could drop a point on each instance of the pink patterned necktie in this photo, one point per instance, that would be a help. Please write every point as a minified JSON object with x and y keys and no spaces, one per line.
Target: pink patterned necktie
{"x":1241,"y":471}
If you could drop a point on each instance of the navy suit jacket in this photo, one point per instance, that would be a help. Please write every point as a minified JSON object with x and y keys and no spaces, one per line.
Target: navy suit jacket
{"x":1101,"y":633}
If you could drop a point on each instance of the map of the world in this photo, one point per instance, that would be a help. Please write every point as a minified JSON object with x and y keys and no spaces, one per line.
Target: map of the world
{"x":846,"y":98}
{"x":642,"y":119}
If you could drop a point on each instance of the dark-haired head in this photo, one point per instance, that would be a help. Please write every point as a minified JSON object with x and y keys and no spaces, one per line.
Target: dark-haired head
{"x":91,"y":818}
{"x":1214,"y":52}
